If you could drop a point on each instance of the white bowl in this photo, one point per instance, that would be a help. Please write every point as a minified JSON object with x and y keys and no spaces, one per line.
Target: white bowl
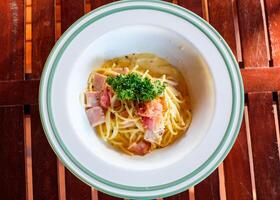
{"x":187,"y":42}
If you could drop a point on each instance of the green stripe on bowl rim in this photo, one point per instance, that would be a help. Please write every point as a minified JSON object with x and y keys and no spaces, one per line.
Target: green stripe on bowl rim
{"x":133,"y":188}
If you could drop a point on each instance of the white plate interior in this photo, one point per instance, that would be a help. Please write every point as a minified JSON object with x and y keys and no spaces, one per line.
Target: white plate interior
{"x":170,"y":37}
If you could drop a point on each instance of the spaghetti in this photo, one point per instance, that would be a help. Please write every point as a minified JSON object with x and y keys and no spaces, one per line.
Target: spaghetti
{"x":133,"y":126}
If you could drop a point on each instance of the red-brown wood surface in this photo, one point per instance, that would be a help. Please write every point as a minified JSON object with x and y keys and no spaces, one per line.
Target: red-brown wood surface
{"x":261,"y":79}
{"x":273,"y":10}
{"x":11,"y":39}
{"x":237,"y":169}
{"x":19,"y":92}
{"x":208,"y":188}
{"x":262,"y":123}
{"x":180,"y":196}
{"x":70,"y":12}
{"x":44,"y":161}
{"x":103,"y":196}
{"x":237,"y":176}
{"x":264,"y":146}
{"x":252,"y":33}
{"x":43,"y":33}
{"x":75,"y":189}
{"x":45,"y":185}
{"x":221,"y":17}
{"x":98,"y":3}
{"x":12,"y":170}
{"x":193,"y":5}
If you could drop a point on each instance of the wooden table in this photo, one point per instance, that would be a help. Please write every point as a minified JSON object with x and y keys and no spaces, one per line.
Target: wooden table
{"x":29,"y":31}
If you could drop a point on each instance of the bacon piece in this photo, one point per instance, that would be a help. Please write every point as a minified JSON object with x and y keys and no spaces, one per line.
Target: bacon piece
{"x":95,"y":116}
{"x":92,"y":98}
{"x":99,"y":81}
{"x":140,"y":148}
{"x":151,"y":109}
{"x":152,"y":119}
{"x":105,"y":98}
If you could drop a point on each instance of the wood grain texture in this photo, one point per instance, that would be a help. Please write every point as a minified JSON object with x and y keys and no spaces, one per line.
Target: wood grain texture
{"x":237,"y":169}
{"x":252,"y":33}
{"x":12,"y":39}
{"x":43,"y":33}
{"x":208,"y":188}
{"x":76,"y":189}
{"x":193,"y":5}
{"x":261,"y":79}
{"x":70,"y":12}
{"x":264,"y":146}
{"x":44,"y":168}
{"x":221,"y":17}
{"x":180,"y":196}
{"x":12,"y":170}
{"x":98,"y":3}
{"x":273,"y":15}
{"x":19,"y":92}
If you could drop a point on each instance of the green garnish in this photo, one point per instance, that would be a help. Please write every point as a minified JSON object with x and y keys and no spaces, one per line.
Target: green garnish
{"x":133,"y":87}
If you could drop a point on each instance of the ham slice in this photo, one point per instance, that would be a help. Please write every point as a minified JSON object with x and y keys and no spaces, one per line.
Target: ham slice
{"x":152,"y":119}
{"x":151,"y":109}
{"x":105,"y":98}
{"x":140,"y":148}
{"x":99,"y":81}
{"x":92,"y":98}
{"x":95,"y":116}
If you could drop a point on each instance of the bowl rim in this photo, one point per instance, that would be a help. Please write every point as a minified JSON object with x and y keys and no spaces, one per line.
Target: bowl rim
{"x":53,"y":66}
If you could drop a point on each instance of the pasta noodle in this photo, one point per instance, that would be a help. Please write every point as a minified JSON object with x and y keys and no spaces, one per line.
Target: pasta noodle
{"x":123,"y":126}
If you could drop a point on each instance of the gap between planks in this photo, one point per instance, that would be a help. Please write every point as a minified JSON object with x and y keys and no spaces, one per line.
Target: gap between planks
{"x":28,"y":157}
{"x":276,"y":120}
{"x":266,"y":34}
{"x":249,"y":143}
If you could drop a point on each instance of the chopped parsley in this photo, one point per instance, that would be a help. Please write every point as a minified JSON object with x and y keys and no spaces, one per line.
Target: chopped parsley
{"x":133,"y":87}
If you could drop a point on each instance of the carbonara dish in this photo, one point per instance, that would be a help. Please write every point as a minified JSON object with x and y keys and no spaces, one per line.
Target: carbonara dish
{"x":138,"y":103}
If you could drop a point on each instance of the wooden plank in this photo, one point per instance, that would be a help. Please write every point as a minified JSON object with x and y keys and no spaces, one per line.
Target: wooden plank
{"x":273,"y":10}
{"x":221,"y":17}
{"x":12,"y":170}
{"x":180,"y":196}
{"x":70,"y":12}
{"x":43,"y":33}
{"x":19,"y":92}
{"x":192,"y":5}
{"x":11,"y":39}
{"x":237,"y":169}
{"x":252,"y":33}
{"x":261,"y":79}
{"x":98,"y":3}
{"x":44,"y":161}
{"x":264,"y":146}
{"x":208,"y":188}
{"x":76,"y":189}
